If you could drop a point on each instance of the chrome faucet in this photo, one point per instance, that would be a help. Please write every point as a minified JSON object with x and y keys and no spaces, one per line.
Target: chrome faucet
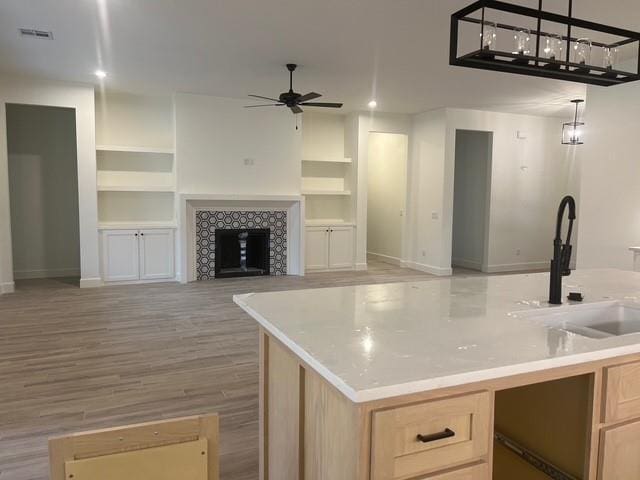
{"x":561,"y":253}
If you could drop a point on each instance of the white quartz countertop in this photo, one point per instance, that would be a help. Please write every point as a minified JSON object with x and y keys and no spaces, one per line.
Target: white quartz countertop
{"x":379,"y":341}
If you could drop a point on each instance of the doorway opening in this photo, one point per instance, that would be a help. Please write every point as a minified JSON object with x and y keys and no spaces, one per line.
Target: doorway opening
{"x":386,"y":197}
{"x":471,"y":197}
{"x":43,"y":193}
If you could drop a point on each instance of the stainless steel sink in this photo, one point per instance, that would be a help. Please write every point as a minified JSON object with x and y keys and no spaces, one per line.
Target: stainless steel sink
{"x":594,"y":320}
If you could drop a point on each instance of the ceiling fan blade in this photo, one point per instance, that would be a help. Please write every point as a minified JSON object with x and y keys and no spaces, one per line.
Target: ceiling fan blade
{"x":265,"y":105}
{"x":309,"y":96}
{"x":296,"y":109}
{"x":322,"y":104}
{"x":265,"y":98}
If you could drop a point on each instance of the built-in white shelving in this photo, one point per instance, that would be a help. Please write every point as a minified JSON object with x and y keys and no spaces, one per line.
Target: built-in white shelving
{"x":135,"y":188}
{"x":327,"y":160}
{"x":136,"y":185}
{"x":120,"y":148}
{"x":326,"y":192}
{"x":321,"y":222}
{"x":327,"y":173}
{"x":134,"y":225}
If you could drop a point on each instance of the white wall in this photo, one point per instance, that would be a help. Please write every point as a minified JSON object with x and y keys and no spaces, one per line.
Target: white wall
{"x":81,"y":98}
{"x":215,"y":135}
{"x":43,"y":176}
{"x":386,"y":195}
{"x":470,"y":198}
{"x":134,"y":120}
{"x":610,"y":190}
{"x":529,"y":177}
{"x":428,"y":247}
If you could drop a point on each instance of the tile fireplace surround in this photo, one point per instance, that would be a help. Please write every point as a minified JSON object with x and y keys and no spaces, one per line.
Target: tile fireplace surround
{"x":200,"y":215}
{"x":208,"y":221}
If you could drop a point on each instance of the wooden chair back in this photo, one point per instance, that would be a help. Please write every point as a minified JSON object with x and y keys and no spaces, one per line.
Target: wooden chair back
{"x":178,"y":449}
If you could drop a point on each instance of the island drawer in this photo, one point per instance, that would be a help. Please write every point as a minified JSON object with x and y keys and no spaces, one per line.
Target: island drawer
{"x":428,"y":437}
{"x":622,"y":399}
{"x":474,"y":472}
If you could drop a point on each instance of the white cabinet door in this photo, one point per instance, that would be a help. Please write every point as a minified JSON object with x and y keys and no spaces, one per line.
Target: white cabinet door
{"x":120,"y":255}
{"x":340,"y":247}
{"x":156,"y":254}
{"x":317,"y":248}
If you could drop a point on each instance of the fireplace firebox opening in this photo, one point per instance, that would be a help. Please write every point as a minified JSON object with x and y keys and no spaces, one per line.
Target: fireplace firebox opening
{"x":242,"y":252}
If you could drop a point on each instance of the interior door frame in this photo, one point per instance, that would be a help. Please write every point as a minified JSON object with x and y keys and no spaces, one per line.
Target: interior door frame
{"x":405,"y":227}
{"x":4,"y":113}
{"x":67,"y":95}
{"x":487,"y":203}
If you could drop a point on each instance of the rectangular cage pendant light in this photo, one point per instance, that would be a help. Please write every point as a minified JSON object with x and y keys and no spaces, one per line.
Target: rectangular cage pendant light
{"x":566,"y":48}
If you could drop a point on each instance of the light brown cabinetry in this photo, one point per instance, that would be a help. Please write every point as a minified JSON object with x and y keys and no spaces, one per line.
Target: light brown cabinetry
{"x":474,"y":472}
{"x":620,"y":452}
{"x":583,"y":420}
{"x":623,"y":392}
{"x":619,"y":457}
{"x":431,"y":436}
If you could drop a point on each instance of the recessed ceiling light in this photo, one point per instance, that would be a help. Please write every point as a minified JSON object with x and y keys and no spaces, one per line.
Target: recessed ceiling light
{"x":372,"y":104}
{"x":100,"y":73}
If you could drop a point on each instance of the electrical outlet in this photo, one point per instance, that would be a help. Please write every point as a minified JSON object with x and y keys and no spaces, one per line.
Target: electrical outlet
{"x":518,"y":252}
{"x":249,"y":161}
{"x":424,"y":253}
{"x":434,"y":215}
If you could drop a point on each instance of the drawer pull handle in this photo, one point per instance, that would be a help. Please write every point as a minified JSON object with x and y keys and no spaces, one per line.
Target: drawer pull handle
{"x":447,"y":433}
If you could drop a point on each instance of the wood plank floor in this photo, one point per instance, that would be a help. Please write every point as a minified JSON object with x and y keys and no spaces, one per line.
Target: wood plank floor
{"x":72,"y":360}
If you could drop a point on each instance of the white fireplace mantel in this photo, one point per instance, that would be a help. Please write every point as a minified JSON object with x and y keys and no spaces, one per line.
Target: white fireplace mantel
{"x":190,"y":203}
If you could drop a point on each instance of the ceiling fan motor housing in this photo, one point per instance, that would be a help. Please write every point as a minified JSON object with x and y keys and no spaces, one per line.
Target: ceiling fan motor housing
{"x":289,"y":98}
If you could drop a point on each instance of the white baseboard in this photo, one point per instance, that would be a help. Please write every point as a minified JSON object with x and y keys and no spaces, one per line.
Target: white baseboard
{"x":466,"y":263}
{"x":90,"y":282}
{"x":516,"y":267}
{"x":140,"y":282}
{"x":398,"y":262}
{"x":361,"y":267}
{"x":7,"y":287}
{"x":423,"y":267}
{"x":46,"y":273}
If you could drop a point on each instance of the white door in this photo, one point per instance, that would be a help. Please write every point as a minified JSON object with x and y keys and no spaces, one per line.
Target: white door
{"x":341,"y":247}
{"x":156,"y":254}
{"x":317,"y":248}
{"x":120,"y":255}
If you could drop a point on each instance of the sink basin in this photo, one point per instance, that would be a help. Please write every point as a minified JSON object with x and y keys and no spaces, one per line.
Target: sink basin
{"x":594,"y":320}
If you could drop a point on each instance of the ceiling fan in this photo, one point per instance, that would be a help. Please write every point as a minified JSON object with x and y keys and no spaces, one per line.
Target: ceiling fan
{"x":292,"y":99}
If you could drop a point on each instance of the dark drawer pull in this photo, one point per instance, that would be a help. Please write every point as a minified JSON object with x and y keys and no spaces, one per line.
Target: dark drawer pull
{"x":447,"y":433}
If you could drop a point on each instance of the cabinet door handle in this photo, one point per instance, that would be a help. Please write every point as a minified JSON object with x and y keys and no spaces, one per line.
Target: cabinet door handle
{"x":142,"y":234}
{"x":135,"y":234}
{"x":447,"y":433}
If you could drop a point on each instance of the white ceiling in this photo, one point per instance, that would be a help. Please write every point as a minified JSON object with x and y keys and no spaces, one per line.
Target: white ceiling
{"x":350,"y":50}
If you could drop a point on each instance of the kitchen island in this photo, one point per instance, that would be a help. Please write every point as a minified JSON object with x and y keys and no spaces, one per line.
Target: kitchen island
{"x":451,"y":379}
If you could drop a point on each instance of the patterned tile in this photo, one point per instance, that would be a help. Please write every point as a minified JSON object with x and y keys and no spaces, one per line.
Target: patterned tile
{"x":207,"y":221}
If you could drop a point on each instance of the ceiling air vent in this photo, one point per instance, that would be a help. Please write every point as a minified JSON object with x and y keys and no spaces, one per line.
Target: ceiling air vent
{"x":31,"y":32}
